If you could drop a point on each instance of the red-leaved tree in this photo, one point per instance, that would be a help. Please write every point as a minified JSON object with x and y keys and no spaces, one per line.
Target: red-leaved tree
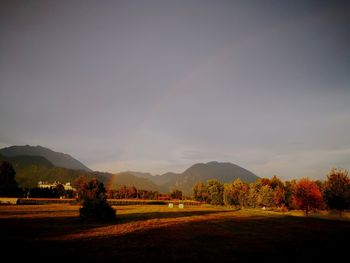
{"x":307,"y":195}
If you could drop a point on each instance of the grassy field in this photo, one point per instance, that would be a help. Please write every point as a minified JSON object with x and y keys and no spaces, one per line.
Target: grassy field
{"x":156,"y":233}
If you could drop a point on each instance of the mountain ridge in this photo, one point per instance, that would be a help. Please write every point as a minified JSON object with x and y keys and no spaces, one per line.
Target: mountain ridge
{"x":30,"y":169}
{"x":223,"y":171}
{"x":57,"y":158}
{"x":33,"y":168}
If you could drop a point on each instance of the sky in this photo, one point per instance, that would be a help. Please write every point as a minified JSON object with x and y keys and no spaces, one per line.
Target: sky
{"x":157,"y":86}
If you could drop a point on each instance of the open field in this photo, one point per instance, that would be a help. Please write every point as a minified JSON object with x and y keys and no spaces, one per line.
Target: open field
{"x":152,"y":233}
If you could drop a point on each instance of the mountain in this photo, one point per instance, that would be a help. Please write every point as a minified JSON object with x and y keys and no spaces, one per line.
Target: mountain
{"x":56,"y":158}
{"x":128,"y":179}
{"x":223,"y":172}
{"x":165,"y":178}
{"x":22,"y":161}
{"x":33,"y":164}
{"x":140,"y":174}
{"x":157,"y":179}
{"x":164,"y":182}
{"x":32,"y":169}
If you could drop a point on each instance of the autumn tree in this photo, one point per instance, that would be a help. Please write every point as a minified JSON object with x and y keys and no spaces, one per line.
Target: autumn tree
{"x":92,"y":195}
{"x":8,"y":184}
{"x":307,"y":195}
{"x":79,"y":183}
{"x":124,"y":192}
{"x":215,"y":192}
{"x":236,"y":193}
{"x":200,"y":192}
{"x":153,"y":195}
{"x":243,"y":192}
{"x":279,"y":193}
{"x":265,"y":181}
{"x":230,"y":194}
{"x":288,"y":188}
{"x":253,"y":193}
{"x":279,"y":196}
{"x":275,"y":182}
{"x":337,"y":190}
{"x":265,"y":196}
{"x":176,"y":194}
{"x":260,"y":193}
{"x":132,"y":192}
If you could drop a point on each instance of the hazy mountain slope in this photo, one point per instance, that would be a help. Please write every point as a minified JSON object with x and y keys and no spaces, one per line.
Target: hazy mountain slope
{"x":140,"y":174}
{"x":56,"y":158}
{"x":159,"y":180}
{"x":128,"y":179}
{"x":223,"y":172}
{"x":32,"y":169}
{"x":165,"y":178}
{"x":22,"y":161}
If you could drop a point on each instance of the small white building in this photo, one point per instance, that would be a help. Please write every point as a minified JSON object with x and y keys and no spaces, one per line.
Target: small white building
{"x":67,"y":186}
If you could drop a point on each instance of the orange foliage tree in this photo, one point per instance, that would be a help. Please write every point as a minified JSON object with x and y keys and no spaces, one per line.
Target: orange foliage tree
{"x":307,"y":195}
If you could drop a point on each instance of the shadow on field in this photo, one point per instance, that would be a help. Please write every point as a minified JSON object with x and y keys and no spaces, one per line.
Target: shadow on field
{"x":27,"y":228}
{"x":29,"y":212}
{"x":132,"y":217}
{"x":223,"y":239}
{"x":43,"y":227}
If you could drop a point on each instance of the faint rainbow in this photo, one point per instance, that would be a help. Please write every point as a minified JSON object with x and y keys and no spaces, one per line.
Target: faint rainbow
{"x":188,"y":83}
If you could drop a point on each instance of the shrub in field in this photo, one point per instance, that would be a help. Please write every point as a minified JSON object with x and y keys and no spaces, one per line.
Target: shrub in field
{"x":92,"y":195}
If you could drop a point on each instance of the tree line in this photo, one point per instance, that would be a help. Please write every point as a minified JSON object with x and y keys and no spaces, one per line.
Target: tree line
{"x":304,"y":194}
{"x":132,"y":192}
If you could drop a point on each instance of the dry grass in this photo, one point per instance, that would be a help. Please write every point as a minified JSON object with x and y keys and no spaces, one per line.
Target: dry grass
{"x":152,"y":233}
{"x":39,"y":211}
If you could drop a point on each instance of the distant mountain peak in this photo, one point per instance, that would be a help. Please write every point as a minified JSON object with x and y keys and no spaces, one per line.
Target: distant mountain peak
{"x":222,"y":171}
{"x":56,"y":158}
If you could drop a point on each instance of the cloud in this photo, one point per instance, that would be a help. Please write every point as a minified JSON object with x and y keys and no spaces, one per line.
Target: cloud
{"x":313,"y":164}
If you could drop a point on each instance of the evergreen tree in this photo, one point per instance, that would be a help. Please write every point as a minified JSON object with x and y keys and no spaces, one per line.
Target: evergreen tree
{"x":92,"y":195}
{"x":8,"y":184}
{"x":337,"y":190}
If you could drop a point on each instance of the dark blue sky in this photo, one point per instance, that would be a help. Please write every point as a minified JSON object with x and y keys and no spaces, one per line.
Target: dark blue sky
{"x":159,"y":85}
